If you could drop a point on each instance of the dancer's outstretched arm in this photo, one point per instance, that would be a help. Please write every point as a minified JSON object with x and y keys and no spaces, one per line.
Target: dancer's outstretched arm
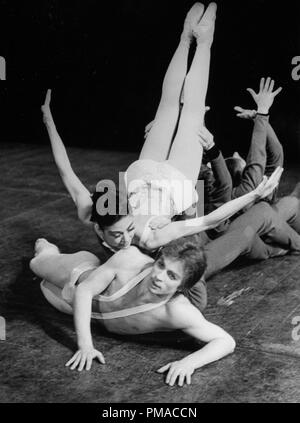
{"x":93,"y":285}
{"x":257,"y":156}
{"x":183,"y":315}
{"x":79,"y":193}
{"x":178,"y":229}
{"x":275,"y":154}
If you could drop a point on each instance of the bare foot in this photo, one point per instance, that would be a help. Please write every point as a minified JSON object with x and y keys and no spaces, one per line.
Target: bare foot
{"x":192,"y":18}
{"x":43,"y":246}
{"x":204,"y":29}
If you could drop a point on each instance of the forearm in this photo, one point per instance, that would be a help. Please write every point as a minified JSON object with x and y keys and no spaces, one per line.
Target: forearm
{"x":182,"y":228}
{"x":82,"y":317}
{"x":213,"y":351}
{"x":58,"y":149}
{"x":222,"y":213}
{"x":256,"y":159}
{"x":275,"y":154}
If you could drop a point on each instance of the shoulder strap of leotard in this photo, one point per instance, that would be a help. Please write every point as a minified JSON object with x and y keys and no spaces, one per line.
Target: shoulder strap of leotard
{"x":130,"y":311}
{"x":126,"y":288}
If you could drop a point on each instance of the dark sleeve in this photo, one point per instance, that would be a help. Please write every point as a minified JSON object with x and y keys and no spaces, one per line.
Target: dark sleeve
{"x":274,"y":151}
{"x":256,"y":159}
{"x":222,"y":187}
{"x":275,"y":158}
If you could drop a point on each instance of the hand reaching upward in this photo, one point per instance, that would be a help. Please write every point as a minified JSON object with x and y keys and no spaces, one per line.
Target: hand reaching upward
{"x":265,"y":97}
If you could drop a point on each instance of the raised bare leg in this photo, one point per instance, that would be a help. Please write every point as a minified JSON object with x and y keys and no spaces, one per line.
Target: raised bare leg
{"x":186,"y":151}
{"x":157,"y":144}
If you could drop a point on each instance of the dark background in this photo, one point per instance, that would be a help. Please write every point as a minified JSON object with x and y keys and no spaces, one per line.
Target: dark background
{"x":105,"y":63}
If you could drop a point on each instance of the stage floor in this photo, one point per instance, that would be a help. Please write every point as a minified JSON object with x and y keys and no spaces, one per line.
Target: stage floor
{"x":39,"y":339}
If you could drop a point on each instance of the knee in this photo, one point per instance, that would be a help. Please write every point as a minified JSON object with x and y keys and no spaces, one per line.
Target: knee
{"x":33,"y":264}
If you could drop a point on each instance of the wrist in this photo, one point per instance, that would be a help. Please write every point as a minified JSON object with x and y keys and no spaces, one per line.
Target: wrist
{"x":212,"y":153}
{"x":263,"y":110}
{"x":189,"y":361}
{"x":85,"y":344}
{"x":50,"y":124}
{"x":256,"y":194}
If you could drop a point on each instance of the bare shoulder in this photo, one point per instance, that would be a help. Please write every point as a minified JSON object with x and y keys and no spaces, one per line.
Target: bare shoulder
{"x":182,"y":313}
{"x":129,"y":255}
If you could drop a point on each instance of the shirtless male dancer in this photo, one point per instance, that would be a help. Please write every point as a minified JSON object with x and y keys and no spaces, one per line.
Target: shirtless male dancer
{"x":132,"y":294}
{"x":139,"y":294}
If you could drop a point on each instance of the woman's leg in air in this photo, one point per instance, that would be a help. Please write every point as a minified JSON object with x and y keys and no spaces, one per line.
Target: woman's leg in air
{"x":186,"y":151}
{"x":157,"y":144}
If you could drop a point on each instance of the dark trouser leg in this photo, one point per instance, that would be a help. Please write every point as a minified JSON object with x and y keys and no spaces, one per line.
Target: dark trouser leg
{"x":288,"y":209}
{"x":263,"y":220}
{"x":242,"y":238}
{"x":224,"y":250}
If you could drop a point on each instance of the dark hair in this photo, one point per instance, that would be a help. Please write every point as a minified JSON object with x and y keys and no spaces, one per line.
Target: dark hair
{"x":189,"y":251}
{"x":113,"y":216}
{"x":235,"y":170}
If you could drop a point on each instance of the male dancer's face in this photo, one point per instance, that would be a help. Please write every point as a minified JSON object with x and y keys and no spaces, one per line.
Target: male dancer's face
{"x":167,"y":276}
{"x":120,"y":234}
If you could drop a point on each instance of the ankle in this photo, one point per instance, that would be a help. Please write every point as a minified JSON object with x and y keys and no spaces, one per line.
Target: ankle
{"x":203,"y":43}
{"x":186,"y":39}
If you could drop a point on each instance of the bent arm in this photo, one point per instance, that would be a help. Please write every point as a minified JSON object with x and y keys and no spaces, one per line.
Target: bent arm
{"x":218,"y":342}
{"x":79,"y":193}
{"x":96,"y":283}
{"x":275,"y":156}
{"x":256,"y":159}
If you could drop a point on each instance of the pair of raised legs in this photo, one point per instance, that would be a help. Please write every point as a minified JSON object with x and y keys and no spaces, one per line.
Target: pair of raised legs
{"x":185,"y":154}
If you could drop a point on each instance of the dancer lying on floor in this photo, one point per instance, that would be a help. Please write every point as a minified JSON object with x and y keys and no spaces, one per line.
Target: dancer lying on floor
{"x":179,"y":265}
{"x":132,"y":294}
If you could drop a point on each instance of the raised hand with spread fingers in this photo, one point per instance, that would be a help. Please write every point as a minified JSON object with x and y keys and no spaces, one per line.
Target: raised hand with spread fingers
{"x":265,"y":97}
